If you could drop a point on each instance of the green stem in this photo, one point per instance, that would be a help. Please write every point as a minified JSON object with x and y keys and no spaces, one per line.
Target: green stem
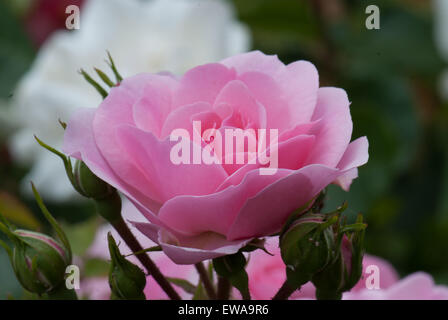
{"x":206,"y":281}
{"x":126,"y":234}
{"x":284,"y":292}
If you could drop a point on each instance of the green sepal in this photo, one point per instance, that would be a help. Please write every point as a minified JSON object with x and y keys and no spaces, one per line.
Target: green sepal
{"x":185,"y":285}
{"x":67,"y":164}
{"x":104,"y":77}
{"x":111,"y":64}
{"x":232,"y":267}
{"x":126,"y":280}
{"x":57,"y":228}
{"x":95,"y":84}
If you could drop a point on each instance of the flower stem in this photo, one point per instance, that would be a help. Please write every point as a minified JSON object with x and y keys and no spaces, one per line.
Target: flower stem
{"x":124,"y":232}
{"x":223,"y":288}
{"x":206,"y":281}
{"x":284,"y":292}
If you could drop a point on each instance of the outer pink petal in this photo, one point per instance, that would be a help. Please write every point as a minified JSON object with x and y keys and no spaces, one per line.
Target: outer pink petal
{"x":79,"y":143}
{"x":186,"y":250}
{"x":255,"y":61}
{"x":334,"y":131}
{"x":266,"y":212}
{"x":216,"y":212}
{"x":345,"y":180}
{"x":116,"y":110}
{"x":299,"y":83}
{"x":356,"y":155}
{"x":152,"y":158}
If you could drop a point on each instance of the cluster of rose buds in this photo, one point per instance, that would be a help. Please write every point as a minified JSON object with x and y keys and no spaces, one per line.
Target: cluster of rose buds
{"x":321,"y":249}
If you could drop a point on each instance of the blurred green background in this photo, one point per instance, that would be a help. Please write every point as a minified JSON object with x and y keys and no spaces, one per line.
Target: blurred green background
{"x":391,"y":76}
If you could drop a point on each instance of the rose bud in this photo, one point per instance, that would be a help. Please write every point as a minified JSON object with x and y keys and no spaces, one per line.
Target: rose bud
{"x":106,"y":198}
{"x":90,"y":184}
{"x":126,"y":280}
{"x":39,"y":261}
{"x":345,"y":268}
{"x":353,"y":253}
{"x":305,"y":248}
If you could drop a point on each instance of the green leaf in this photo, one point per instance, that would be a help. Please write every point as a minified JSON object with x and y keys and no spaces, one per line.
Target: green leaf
{"x":211,"y":274}
{"x":184,"y":284}
{"x":240,"y":281}
{"x":200,"y":292}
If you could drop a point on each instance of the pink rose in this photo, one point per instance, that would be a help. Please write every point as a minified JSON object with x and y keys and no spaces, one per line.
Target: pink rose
{"x":202,"y":211}
{"x":417,"y":286}
{"x":267,"y":274}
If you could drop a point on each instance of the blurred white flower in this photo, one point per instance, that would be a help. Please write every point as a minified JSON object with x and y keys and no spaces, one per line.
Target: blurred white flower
{"x":142,"y":36}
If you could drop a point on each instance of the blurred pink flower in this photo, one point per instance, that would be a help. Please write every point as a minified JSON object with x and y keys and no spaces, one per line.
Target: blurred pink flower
{"x":416,"y":286}
{"x":202,"y":211}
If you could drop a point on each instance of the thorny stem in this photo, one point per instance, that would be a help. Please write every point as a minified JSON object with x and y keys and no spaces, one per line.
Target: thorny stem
{"x":124,"y":232}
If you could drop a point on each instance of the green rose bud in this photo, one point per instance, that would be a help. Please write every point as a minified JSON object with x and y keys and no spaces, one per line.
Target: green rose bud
{"x":106,"y":198}
{"x":353,"y":252}
{"x":126,"y":280}
{"x":89,"y":183}
{"x":39,"y":261}
{"x":329,"y":281}
{"x":345,"y":267}
{"x":305,"y":248}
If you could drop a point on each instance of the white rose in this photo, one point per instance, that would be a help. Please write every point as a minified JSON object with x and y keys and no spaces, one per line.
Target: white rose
{"x":142,"y":36}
